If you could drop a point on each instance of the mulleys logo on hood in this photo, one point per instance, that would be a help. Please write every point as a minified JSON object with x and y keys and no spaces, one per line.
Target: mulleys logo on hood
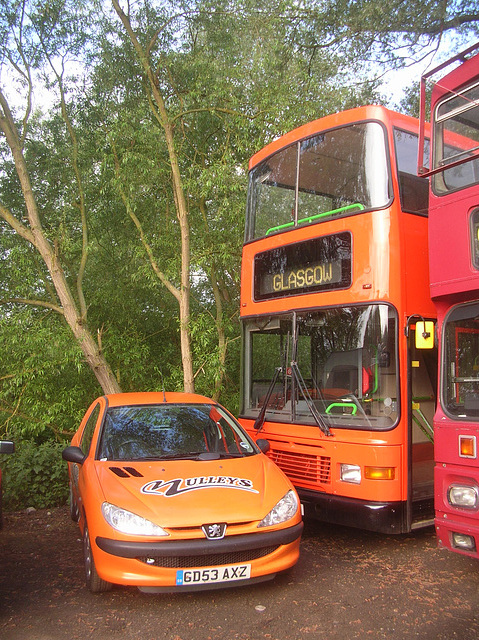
{"x":183,"y":485}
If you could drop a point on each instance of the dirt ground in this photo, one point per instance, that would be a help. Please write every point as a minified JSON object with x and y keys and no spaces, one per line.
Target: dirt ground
{"x":347,"y":584}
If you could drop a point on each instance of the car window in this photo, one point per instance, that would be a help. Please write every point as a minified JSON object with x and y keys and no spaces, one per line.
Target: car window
{"x":171,"y":431}
{"x":89,"y":429}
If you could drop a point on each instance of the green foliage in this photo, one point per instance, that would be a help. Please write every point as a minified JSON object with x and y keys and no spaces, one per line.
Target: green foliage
{"x":34,"y":476}
{"x":44,"y":382}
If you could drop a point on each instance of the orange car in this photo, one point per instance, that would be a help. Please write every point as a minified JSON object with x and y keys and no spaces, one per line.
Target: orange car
{"x":171,"y":494}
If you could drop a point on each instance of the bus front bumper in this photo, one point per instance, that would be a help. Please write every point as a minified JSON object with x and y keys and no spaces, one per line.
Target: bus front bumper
{"x":381,"y":517}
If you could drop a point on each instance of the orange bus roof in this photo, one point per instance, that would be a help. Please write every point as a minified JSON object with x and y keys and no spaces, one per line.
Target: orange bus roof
{"x":359,"y":114}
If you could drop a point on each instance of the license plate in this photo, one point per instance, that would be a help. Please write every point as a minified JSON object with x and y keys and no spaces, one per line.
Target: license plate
{"x":215,"y":574}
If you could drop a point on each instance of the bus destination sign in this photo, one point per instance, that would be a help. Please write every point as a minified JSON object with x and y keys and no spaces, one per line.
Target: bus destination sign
{"x":319,"y":264}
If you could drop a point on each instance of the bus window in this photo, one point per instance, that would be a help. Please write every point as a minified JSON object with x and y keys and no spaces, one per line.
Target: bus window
{"x":461,"y":362}
{"x":272,"y":192}
{"x":346,"y":358}
{"x":337,"y":173}
{"x":457,"y":138}
{"x":413,"y":190}
{"x":475,"y":238}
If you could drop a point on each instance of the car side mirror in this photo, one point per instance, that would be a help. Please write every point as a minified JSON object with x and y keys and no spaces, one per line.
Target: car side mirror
{"x":263,"y":445}
{"x":6,"y":446}
{"x":73,"y":454}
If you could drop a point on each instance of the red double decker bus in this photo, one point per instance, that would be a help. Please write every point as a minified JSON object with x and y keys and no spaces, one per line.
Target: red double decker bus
{"x":454,"y":272}
{"x":334,"y":278}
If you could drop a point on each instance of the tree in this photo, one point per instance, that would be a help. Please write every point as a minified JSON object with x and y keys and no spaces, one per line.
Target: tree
{"x":200,"y":93}
{"x":181,"y":293}
{"x":385,"y":35}
{"x":41,"y":37}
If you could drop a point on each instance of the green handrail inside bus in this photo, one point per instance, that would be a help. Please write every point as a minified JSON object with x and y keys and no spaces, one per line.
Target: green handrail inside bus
{"x":318,"y":216}
{"x":425,"y":426}
{"x":376,"y":373}
{"x":349,"y":405}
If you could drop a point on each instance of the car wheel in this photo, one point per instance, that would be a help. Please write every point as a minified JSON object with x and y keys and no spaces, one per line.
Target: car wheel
{"x":93,"y":581}
{"x":1,"y":512}
{"x":74,"y":512}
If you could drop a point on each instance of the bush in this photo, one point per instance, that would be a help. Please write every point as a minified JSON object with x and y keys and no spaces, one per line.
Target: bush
{"x":34,"y":476}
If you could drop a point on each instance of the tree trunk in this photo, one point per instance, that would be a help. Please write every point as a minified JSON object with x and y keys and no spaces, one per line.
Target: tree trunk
{"x":183,"y":294}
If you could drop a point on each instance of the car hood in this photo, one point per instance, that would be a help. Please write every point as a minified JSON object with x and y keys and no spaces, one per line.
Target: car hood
{"x":187,"y":493}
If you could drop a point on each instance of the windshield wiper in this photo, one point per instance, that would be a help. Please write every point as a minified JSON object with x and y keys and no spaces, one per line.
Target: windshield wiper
{"x":231,"y":454}
{"x":171,"y":456}
{"x":194,"y":455}
{"x":307,"y":397}
{"x":259,"y":422}
{"x":190,"y":455}
{"x":296,"y":373}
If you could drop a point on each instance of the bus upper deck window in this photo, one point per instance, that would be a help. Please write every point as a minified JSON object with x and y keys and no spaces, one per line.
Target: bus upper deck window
{"x":456,"y":146}
{"x":413,"y":190}
{"x":336,"y":173}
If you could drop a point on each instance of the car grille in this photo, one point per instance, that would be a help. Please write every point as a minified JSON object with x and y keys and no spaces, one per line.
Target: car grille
{"x":210,"y":560}
{"x":303,"y":468}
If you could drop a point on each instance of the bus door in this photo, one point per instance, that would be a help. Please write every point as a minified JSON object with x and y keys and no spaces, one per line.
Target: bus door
{"x":422,"y":390}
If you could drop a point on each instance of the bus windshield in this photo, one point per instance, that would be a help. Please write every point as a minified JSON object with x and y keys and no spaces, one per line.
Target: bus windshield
{"x":335,"y":173}
{"x":461,"y":362}
{"x":346,"y":358}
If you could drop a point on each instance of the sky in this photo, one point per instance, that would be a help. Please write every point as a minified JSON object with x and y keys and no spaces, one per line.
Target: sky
{"x":395,"y":81}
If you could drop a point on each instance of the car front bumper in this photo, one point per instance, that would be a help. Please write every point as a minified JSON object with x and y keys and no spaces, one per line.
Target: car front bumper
{"x":155,"y":564}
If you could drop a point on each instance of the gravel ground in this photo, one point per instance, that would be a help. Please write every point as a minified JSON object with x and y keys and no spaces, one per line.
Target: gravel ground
{"x":347,"y":584}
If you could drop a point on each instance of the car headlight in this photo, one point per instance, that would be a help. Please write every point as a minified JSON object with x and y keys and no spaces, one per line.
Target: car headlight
{"x":126,"y":522}
{"x":285,"y":509}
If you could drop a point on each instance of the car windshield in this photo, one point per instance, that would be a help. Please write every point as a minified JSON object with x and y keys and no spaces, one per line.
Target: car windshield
{"x":172,"y":431}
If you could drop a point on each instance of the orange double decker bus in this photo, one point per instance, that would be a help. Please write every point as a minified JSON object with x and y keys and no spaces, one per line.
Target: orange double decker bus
{"x":334,"y":278}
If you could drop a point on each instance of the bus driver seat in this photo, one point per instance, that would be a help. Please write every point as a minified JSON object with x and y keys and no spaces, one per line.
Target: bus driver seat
{"x":347,"y":372}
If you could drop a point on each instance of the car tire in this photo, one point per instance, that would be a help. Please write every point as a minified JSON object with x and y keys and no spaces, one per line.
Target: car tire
{"x":74,"y":512}
{"x":1,"y":512}
{"x":93,"y":581}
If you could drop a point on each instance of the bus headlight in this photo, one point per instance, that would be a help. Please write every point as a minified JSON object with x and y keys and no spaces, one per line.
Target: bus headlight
{"x":463,"y":496}
{"x":350,"y":473}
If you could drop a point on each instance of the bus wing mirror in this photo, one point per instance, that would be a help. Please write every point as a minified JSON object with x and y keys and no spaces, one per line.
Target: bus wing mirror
{"x":425,"y":334}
